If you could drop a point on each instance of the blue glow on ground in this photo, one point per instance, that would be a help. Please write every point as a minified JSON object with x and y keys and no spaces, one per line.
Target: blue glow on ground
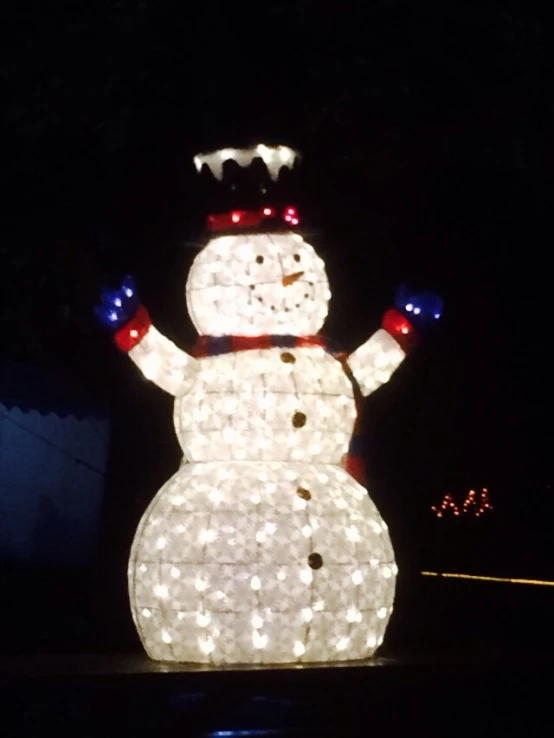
{"x":239,"y":733}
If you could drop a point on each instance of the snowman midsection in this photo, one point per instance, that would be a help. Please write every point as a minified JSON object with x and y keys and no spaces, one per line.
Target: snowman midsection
{"x":269,"y":405}
{"x":267,"y":444}
{"x":258,"y":514}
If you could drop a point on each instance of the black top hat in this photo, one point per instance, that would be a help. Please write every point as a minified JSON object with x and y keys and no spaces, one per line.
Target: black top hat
{"x":257,"y":179}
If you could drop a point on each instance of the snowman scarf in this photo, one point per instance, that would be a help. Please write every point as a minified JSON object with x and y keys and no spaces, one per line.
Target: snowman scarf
{"x":353,"y":461}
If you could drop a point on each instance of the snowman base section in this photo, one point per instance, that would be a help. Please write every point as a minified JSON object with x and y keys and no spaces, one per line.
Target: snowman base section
{"x":261,"y":563}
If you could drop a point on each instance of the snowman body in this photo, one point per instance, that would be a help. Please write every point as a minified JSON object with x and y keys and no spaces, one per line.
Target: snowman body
{"x":262,"y":549}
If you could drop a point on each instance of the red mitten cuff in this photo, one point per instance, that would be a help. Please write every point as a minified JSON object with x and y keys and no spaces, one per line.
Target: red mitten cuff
{"x":134,"y":331}
{"x":400,"y":329}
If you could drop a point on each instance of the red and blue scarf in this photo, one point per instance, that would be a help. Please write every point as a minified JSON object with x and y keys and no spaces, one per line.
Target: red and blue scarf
{"x":353,"y":461}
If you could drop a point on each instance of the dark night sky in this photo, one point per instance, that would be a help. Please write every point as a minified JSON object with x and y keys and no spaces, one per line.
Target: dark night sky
{"x":426,"y":129}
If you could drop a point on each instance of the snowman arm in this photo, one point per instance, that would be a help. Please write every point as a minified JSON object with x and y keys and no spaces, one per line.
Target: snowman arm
{"x":374,"y":362}
{"x":158,"y":358}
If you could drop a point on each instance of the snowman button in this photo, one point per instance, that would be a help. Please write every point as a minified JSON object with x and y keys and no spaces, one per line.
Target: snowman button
{"x":288,"y":358}
{"x":315,"y":561}
{"x":305,"y":494}
{"x":299,"y":419}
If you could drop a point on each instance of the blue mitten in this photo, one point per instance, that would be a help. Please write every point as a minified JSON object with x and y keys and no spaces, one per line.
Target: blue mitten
{"x":421,"y":309}
{"x":117,"y":307}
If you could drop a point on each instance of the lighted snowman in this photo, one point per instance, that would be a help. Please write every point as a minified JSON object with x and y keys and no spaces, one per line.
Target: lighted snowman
{"x":262,"y":547}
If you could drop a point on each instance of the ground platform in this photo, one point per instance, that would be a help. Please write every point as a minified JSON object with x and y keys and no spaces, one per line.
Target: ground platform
{"x":470,"y":693}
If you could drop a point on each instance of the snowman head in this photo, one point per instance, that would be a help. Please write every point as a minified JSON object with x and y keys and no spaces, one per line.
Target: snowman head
{"x":251,"y":285}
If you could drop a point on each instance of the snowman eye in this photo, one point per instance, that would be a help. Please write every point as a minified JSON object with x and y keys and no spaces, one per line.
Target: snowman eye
{"x":260,"y":259}
{"x":296,"y":257}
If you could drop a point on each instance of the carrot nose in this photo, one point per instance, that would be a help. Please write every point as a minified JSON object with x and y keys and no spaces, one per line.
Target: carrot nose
{"x":290,"y":278}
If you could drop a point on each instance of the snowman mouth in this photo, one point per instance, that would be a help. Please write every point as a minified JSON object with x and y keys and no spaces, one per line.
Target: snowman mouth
{"x":288,"y":302}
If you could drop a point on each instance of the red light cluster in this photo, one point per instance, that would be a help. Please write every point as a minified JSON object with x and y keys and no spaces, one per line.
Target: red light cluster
{"x":291,"y":216}
{"x":249,"y":218}
{"x":401,"y":329}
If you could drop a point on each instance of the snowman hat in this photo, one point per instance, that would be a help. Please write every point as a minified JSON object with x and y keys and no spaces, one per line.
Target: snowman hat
{"x":274,"y":158}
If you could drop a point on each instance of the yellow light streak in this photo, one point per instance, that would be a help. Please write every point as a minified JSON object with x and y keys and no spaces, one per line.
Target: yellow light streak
{"x":539,"y":582}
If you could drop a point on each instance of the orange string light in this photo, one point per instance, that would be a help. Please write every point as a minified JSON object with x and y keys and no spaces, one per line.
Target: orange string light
{"x":472,"y":505}
{"x":539,"y":582}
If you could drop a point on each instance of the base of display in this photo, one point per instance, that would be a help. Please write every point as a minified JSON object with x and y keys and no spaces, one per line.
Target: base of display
{"x":469,"y":693}
{"x":92,"y":666}
{"x":185,"y":666}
